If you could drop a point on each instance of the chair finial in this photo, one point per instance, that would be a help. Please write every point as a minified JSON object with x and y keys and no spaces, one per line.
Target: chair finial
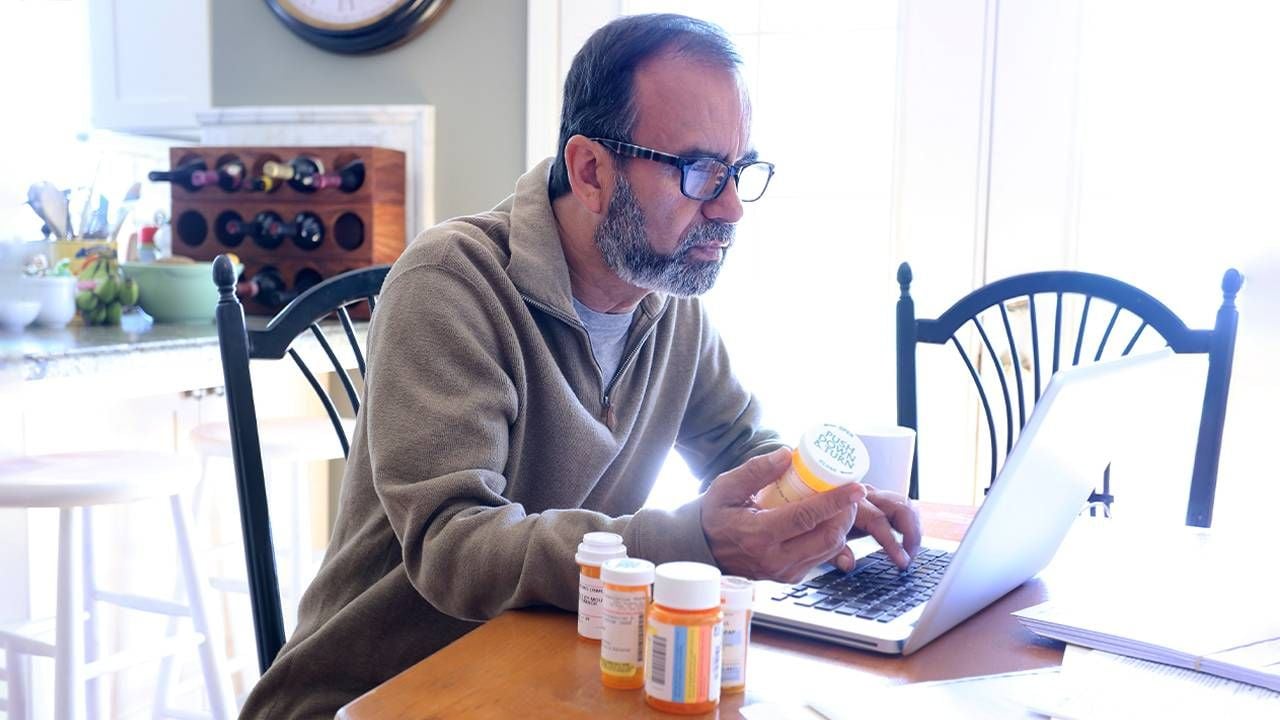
{"x":224,"y":276}
{"x":904,"y":277}
{"x":1232,"y":281}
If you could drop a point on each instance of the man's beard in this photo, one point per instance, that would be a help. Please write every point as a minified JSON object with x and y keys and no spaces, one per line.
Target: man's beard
{"x":624,"y":242}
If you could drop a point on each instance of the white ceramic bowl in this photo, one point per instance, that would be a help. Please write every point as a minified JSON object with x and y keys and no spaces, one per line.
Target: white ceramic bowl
{"x":17,"y":314}
{"x":57,"y":298}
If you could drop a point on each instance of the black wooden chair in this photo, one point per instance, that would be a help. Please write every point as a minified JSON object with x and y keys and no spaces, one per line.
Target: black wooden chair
{"x":1132,"y":312}
{"x":239,"y":345}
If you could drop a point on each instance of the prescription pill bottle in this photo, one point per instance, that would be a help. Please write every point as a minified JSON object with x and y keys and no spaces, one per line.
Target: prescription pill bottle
{"x":828,"y":456}
{"x":682,"y":640}
{"x":595,"y":548}
{"x":627,"y":591}
{"x":736,"y":594}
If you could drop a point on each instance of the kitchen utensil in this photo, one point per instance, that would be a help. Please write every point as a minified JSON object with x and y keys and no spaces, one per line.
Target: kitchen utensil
{"x":67,"y":203}
{"x":86,"y":213}
{"x":51,"y":205}
{"x":96,"y":225}
{"x":126,"y":205}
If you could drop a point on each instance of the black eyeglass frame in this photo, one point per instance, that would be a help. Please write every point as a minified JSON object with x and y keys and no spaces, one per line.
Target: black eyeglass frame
{"x":683,"y":163}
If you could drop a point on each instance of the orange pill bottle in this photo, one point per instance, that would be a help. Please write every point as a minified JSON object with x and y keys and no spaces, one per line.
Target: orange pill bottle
{"x":627,"y":592}
{"x":828,"y":456}
{"x":683,"y":639}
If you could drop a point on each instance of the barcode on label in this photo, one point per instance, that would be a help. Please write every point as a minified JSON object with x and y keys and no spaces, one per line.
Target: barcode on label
{"x":658,"y":660}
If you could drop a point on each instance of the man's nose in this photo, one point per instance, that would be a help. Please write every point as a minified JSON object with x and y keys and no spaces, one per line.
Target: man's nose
{"x":727,"y":207}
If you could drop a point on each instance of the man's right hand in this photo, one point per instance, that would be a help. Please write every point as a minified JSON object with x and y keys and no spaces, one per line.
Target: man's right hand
{"x":781,"y":544}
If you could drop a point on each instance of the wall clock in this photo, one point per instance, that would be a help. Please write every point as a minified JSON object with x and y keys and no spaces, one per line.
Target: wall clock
{"x":356,"y":26}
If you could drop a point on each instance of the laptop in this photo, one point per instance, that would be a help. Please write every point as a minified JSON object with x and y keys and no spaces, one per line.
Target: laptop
{"x":1045,"y":481}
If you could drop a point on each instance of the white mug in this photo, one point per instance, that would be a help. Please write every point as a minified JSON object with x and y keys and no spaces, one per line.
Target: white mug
{"x":891,"y":449}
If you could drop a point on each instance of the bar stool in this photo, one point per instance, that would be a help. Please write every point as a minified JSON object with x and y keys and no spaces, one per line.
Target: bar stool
{"x":76,"y":484}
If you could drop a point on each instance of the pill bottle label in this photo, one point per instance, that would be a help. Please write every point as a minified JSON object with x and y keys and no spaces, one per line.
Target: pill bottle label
{"x":682,"y":662}
{"x":622,"y":647}
{"x":737,"y":634}
{"x":590,"y":606}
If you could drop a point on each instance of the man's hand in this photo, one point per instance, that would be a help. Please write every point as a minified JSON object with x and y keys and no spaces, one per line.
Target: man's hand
{"x":783,"y":543}
{"x":879,"y":514}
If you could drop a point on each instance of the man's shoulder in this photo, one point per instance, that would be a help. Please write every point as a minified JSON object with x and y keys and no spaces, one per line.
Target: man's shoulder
{"x":470,"y":245}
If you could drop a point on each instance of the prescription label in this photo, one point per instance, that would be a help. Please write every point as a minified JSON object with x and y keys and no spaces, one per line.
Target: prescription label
{"x":590,"y":606}
{"x":622,"y":646}
{"x":682,"y":662}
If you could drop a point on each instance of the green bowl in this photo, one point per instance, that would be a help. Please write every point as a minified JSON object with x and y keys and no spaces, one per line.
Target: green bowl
{"x":176,"y":292}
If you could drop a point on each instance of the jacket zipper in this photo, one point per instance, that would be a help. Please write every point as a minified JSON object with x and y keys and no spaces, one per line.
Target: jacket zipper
{"x":606,"y":404}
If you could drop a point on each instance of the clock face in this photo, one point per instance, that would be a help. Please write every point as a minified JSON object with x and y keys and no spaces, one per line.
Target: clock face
{"x":356,"y":26}
{"x":340,"y":14}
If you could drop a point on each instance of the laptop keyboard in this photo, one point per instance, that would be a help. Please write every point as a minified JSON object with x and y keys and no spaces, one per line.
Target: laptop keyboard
{"x":875,"y":589}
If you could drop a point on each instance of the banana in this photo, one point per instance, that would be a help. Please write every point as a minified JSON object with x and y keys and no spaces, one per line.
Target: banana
{"x":114,"y":311}
{"x":86,"y":300}
{"x":107,"y":289}
{"x":128,"y":293}
{"x":88,"y":269}
{"x":98,"y":315}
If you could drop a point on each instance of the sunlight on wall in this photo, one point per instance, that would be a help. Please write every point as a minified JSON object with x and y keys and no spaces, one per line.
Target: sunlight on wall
{"x":44,"y":49}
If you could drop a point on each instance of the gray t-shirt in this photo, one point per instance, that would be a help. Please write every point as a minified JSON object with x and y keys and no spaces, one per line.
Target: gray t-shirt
{"x":608,"y":333}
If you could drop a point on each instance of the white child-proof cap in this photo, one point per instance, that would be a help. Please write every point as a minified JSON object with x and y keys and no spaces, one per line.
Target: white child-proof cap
{"x":627,"y":571}
{"x":833,"y":456}
{"x":736,"y":593}
{"x":596,"y":547}
{"x":687,"y":586}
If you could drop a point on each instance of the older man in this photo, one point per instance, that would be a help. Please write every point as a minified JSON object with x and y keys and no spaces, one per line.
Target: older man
{"x":531,"y":367}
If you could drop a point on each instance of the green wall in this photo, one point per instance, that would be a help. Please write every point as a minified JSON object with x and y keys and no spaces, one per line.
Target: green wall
{"x":469,"y":64}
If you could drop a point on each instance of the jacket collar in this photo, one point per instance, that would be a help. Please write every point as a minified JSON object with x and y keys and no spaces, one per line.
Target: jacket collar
{"x":537,"y":266}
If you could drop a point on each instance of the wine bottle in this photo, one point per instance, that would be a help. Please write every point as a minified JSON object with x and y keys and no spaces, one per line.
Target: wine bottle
{"x":231,"y":174}
{"x":306,"y":230}
{"x":269,"y":230}
{"x":192,"y":175}
{"x":235,"y":229}
{"x":297,"y":172}
{"x":267,"y":287}
{"x":260,"y":183}
{"x":347,"y":179}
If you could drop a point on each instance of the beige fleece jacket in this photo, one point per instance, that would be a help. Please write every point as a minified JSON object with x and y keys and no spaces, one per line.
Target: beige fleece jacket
{"x":488,"y":443}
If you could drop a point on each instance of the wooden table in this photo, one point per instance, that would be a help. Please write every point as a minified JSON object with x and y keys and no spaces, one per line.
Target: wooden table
{"x":531,"y":663}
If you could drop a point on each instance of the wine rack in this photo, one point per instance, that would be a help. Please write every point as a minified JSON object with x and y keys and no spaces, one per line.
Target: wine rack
{"x":303,"y":232}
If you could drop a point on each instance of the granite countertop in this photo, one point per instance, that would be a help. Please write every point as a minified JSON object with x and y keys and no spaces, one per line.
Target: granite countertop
{"x":76,"y":350}
{"x":136,"y":331}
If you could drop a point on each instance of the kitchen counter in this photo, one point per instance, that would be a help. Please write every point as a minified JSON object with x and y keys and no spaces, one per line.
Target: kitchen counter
{"x":137,"y":358}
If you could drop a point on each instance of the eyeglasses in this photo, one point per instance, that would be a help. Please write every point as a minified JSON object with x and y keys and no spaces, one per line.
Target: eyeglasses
{"x":704,"y":178}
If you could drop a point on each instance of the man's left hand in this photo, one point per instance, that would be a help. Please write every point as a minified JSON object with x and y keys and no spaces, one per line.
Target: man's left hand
{"x":879,"y":514}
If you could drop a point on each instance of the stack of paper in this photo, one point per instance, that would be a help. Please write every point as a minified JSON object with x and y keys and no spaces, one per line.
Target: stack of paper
{"x":1098,"y":685}
{"x":1236,"y":637}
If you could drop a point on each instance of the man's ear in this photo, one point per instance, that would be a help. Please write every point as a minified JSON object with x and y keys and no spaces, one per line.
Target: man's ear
{"x":588,"y":165}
